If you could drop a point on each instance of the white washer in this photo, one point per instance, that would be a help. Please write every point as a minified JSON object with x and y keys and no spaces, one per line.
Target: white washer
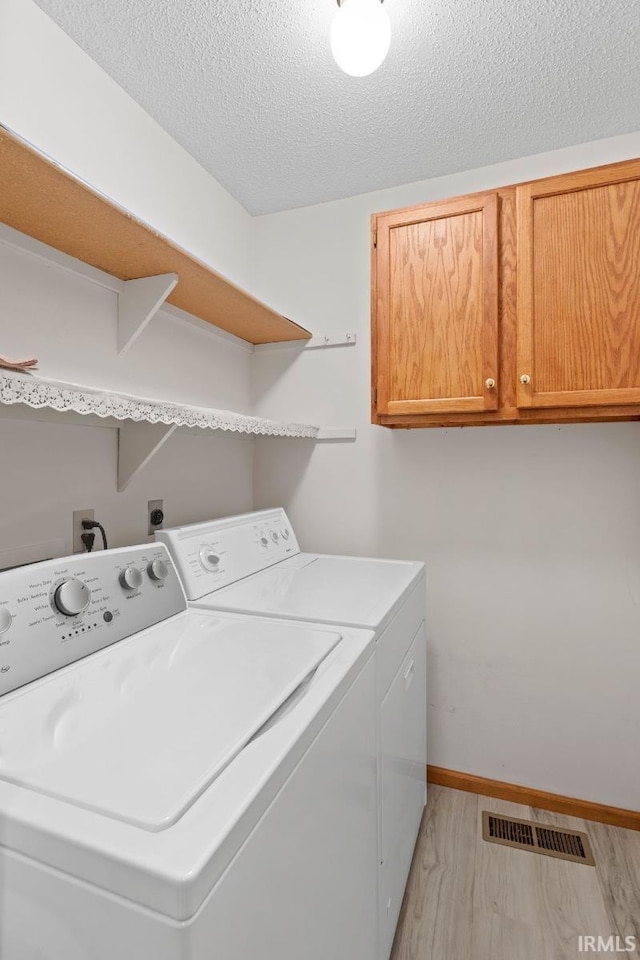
{"x":177,"y":784}
{"x":252,"y":564}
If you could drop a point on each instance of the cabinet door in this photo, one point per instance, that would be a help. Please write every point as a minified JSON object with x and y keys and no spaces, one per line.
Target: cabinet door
{"x":435,"y":305}
{"x":578,"y":319}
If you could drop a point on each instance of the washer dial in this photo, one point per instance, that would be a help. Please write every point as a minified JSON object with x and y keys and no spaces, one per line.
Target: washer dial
{"x":158,"y":570}
{"x":131,"y":578}
{"x":71,"y":597}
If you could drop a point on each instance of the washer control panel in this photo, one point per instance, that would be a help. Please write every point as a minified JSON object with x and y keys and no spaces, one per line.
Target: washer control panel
{"x":214,"y":554}
{"x":55,"y":612}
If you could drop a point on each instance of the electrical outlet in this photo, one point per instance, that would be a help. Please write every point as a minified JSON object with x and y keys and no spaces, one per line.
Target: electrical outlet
{"x":78,"y":529}
{"x":155,"y":516}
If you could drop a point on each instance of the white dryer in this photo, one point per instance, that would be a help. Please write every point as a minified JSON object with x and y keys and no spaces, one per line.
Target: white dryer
{"x":178,"y":784}
{"x":252,"y":564}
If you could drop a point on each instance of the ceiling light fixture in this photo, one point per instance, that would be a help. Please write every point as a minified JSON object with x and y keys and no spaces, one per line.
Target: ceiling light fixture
{"x":360,"y":36}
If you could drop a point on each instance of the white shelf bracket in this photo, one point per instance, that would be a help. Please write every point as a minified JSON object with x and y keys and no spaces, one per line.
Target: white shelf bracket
{"x":137,"y":444}
{"x":138,"y":302}
{"x":315,"y":343}
{"x":340,"y":340}
{"x":349,"y":433}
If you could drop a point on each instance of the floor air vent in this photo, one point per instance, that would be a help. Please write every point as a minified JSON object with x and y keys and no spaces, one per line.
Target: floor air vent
{"x":539,"y":838}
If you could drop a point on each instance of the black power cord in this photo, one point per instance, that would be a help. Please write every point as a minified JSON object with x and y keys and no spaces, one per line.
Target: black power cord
{"x":94,"y":525}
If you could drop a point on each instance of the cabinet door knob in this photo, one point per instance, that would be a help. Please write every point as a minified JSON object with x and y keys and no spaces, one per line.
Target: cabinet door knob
{"x":490,"y":383}
{"x":525,"y":379}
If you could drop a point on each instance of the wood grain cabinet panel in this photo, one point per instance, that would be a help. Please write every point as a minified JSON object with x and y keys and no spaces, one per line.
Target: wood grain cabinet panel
{"x":579,"y":289}
{"x":517,"y":306}
{"x":437,"y":307}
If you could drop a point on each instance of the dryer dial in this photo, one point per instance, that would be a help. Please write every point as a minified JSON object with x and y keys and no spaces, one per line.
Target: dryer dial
{"x":209,"y":559}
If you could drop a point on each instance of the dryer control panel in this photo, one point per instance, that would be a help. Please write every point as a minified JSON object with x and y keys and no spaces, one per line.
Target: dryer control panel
{"x":58,"y":611}
{"x":214,"y":554}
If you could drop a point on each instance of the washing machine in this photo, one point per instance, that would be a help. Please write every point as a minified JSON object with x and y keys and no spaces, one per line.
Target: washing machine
{"x":253,"y":564}
{"x":178,"y":783}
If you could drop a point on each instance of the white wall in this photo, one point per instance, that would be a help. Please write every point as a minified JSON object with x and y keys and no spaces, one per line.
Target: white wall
{"x":531,"y":535}
{"x":53,"y":95}
{"x":49,"y":469}
{"x":70,"y":324}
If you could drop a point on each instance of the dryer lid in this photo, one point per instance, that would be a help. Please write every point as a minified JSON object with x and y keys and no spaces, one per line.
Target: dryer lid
{"x":354,"y":591}
{"x":138,"y":731}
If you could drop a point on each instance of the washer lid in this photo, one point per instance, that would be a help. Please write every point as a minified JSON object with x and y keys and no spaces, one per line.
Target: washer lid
{"x":138,"y":731}
{"x":354,"y":591}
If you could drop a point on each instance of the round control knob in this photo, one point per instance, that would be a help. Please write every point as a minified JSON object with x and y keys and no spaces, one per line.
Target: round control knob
{"x":72,"y":597}
{"x":209,"y":559}
{"x":158,"y":570}
{"x":285,"y":534}
{"x":131,"y":578}
{"x":274,"y":536}
{"x":5,"y":619}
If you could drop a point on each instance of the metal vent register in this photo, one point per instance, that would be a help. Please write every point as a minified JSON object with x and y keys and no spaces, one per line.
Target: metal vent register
{"x":537,"y":837}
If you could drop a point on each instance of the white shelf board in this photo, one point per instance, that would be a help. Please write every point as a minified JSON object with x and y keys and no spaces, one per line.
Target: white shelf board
{"x":137,"y":445}
{"x":37,"y":392}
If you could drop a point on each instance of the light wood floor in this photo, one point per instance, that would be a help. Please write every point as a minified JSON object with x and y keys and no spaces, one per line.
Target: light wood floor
{"x":472,"y":900}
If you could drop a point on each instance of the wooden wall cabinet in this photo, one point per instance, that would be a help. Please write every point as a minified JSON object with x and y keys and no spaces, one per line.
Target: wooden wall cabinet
{"x":437,"y":299}
{"x":519,"y":305}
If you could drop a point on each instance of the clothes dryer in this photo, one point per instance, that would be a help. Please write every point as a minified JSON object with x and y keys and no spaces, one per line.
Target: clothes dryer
{"x":253,"y":564}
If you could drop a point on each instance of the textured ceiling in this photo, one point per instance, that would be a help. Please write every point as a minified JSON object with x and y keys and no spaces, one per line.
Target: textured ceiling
{"x":250,"y":89}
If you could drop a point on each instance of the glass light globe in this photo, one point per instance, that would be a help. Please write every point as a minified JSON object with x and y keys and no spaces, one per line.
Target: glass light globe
{"x":360,"y":36}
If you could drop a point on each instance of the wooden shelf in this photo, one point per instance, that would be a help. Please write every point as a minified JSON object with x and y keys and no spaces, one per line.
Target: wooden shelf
{"x":47,"y":202}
